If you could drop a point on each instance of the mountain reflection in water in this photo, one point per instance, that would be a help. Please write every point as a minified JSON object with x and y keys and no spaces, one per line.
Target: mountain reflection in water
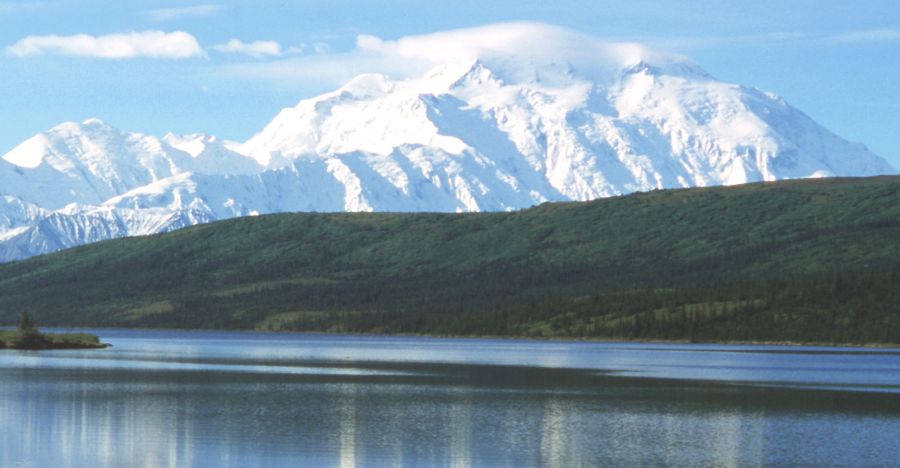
{"x":249,"y":399}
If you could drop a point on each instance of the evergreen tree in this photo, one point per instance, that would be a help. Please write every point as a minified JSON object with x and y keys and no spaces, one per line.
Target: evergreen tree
{"x":27,"y":336}
{"x":25,"y":324}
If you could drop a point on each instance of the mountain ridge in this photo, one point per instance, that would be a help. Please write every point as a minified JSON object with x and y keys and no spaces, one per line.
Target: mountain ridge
{"x":806,"y":260}
{"x":486,"y":131}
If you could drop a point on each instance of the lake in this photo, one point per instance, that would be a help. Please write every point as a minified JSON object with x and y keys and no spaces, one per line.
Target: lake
{"x":177,"y":398}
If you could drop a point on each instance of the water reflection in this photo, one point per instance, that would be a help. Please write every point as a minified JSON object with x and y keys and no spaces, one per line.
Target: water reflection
{"x":348,"y":425}
{"x":215,"y":406}
{"x":461,"y":428}
{"x":554,"y":446}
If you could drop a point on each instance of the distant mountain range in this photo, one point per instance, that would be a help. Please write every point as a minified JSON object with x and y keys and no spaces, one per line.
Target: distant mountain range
{"x":487,"y":133}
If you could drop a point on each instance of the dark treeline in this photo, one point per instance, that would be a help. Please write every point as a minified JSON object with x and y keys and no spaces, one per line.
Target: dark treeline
{"x":810,"y":261}
{"x":834,"y":307}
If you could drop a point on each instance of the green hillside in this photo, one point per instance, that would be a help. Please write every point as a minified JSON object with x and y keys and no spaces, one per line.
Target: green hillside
{"x":811,"y":260}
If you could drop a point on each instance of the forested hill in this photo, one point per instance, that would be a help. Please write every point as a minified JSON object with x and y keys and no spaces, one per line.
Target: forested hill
{"x":806,"y":260}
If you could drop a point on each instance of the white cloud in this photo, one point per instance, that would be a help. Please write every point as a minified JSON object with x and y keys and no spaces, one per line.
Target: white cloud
{"x":171,"y":14}
{"x":413,"y":55}
{"x":256,"y":49}
{"x":541,"y":43}
{"x":534,"y":40}
{"x":150,"y":44}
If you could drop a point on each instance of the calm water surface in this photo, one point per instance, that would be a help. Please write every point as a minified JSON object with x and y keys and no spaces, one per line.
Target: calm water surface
{"x":165,"y":398}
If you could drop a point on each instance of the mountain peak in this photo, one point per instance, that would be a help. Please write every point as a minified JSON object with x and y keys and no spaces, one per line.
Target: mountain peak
{"x":507,"y":117}
{"x":680,"y":68}
{"x":460,"y":74}
{"x":368,"y":85}
{"x":88,"y":129}
{"x":30,"y":153}
{"x":641,"y":67}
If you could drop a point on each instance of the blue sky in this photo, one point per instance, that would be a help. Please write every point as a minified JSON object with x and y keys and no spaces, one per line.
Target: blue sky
{"x":226,"y":68}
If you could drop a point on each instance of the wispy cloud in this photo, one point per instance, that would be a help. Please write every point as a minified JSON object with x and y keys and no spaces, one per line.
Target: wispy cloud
{"x":413,"y":55}
{"x":297,"y":49}
{"x":172,"y":14}
{"x":321,"y":48}
{"x":688,"y":43}
{"x":256,"y":49}
{"x":20,"y":7}
{"x":149,"y":44}
{"x":872,"y":35}
{"x":318,"y":70}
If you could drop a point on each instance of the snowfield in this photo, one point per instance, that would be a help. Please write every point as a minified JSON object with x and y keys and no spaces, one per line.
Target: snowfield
{"x":506,"y":118}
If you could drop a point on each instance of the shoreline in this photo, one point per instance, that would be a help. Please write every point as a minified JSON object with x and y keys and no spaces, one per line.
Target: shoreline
{"x":564,"y":339}
{"x":37,"y":341}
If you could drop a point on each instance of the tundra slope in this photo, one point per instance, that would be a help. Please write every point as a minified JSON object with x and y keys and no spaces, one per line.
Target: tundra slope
{"x":811,"y":260}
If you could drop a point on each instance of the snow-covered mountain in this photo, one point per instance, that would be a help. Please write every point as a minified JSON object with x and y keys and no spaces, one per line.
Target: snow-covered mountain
{"x":487,"y":128}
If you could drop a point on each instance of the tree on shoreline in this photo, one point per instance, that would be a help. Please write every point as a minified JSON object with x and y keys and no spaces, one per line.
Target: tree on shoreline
{"x":27,"y":334}
{"x":25,"y":324}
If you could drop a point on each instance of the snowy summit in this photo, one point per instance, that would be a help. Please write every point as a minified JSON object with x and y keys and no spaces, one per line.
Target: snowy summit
{"x":500,"y":117}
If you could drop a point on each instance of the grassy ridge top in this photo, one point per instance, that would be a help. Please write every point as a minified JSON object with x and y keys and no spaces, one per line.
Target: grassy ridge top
{"x":559,"y":269}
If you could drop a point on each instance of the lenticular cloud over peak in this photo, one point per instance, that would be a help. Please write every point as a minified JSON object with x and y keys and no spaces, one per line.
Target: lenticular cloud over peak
{"x":510,"y":49}
{"x":524,"y":42}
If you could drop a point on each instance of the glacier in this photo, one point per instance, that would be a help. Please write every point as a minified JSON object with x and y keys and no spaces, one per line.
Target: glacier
{"x":484,"y":129}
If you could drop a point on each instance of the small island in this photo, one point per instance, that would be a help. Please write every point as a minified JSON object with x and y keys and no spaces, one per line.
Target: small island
{"x":27,"y":337}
